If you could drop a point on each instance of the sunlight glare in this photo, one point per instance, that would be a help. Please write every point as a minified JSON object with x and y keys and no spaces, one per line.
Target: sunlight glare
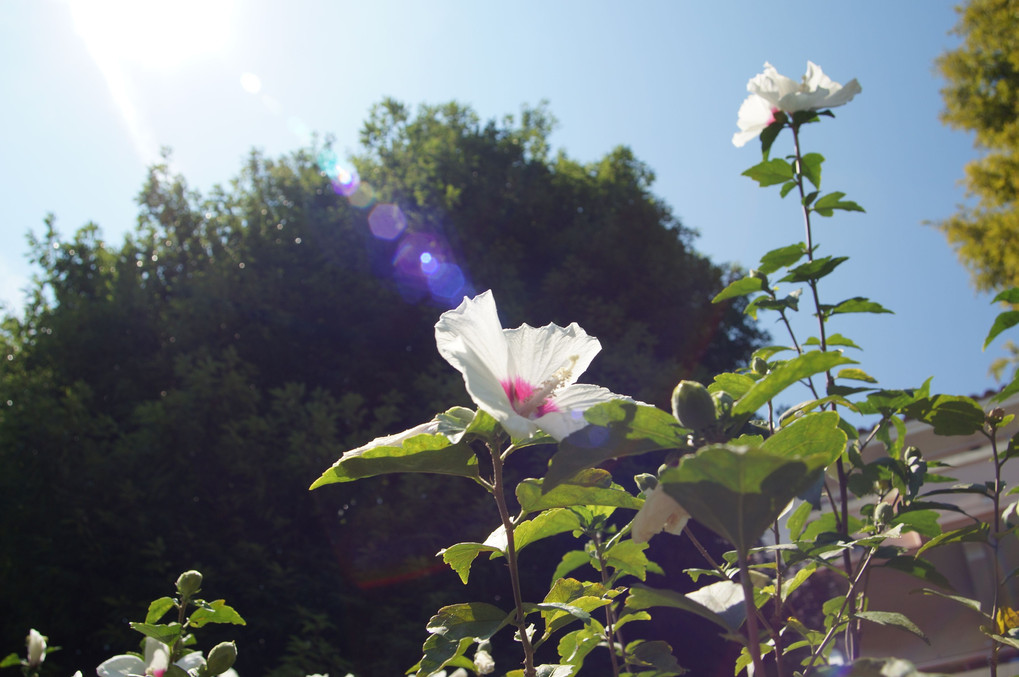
{"x":154,"y":33}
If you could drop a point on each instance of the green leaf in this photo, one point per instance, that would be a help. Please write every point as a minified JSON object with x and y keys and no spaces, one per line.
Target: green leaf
{"x":741,"y":287}
{"x":973,"y":533}
{"x":588,"y":487}
{"x":617,"y":429}
{"x":424,"y":453}
{"x":781,"y":258}
{"x":967,"y":602}
{"x":570,"y":600}
{"x":167,"y":634}
{"x":548,"y":523}
{"x":949,"y":414}
{"x":158,"y":609}
{"x":825,"y":205}
{"x":571,"y":561}
{"x":835,"y":340}
{"x":737,"y":492}
{"x":628,"y":557}
{"x":460,"y":557}
{"x":736,"y":385}
{"x":893,"y":619}
{"x":575,"y":646}
{"x":814,"y":270}
{"x":468,"y":620}
{"x":1008,"y":296}
{"x":215,"y":612}
{"x":439,"y":650}
{"x":786,"y":374}
{"x":815,"y":433}
{"x":770,"y":133}
{"x":797,"y":520}
{"x":770,"y":172}
{"x":722,"y":605}
{"x":810,"y":167}
{"x":856,"y":304}
{"x":10,"y":660}
{"x":658,"y":655}
{"x":854,"y":374}
{"x":918,"y":567}
{"x":1003,"y":321}
{"x":924,"y":522}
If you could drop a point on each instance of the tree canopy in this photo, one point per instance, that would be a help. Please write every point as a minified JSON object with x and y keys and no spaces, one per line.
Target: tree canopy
{"x":166,"y":402}
{"x":982,"y":96}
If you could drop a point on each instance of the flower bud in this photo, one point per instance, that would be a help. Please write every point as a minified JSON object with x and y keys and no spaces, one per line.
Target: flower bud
{"x":189,"y":583}
{"x":883,"y":513}
{"x":36,"y":648}
{"x":221,"y":658}
{"x":759,"y":366}
{"x":692,"y":406}
{"x":723,"y":404}
{"x":1010,"y":515}
{"x":996,"y":416}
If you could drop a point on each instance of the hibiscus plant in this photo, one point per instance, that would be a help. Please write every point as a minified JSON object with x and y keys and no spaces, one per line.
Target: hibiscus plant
{"x":776,"y":486}
{"x":799,"y":494}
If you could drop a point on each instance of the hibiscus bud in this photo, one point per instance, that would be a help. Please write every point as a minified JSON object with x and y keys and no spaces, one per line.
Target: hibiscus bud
{"x":760,"y":276}
{"x":221,"y":658}
{"x":883,"y":513}
{"x":645,"y":481}
{"x":995,"y":416}
{"x":483,"y":662}
{"x":1010,"y":515}
{"x":36,"y":648}
{"x":723,"y":404}
{"x":759,"y":366}
{"x":189,"y":583}
{"x":692,"y":406}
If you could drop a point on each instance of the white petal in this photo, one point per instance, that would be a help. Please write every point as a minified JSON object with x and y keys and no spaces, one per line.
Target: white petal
{"x":191,"y":660}
{"x":660,"y":512}
{"x":471,"y":339}
{"x":771,"y":85}
{"x":571,"y":403}
{"x":843,"y":95}
{"x":754,"y":116}
{"x":537,"y":354}
{"x":121,"y":666}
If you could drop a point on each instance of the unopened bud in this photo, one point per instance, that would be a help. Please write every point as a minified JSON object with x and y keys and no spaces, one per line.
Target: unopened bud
{"x":189,"y":583}
{"x":759,"y":366}
{"x":995,"y":416}
{"x":36,"y":648}
{"x":723,"y":404}
{"x":883,"y":513}
{"x":692,"y":406}
{"x":221,"y":658}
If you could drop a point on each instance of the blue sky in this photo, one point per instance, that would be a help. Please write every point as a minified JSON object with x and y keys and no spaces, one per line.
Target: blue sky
{"x":90,"y":97}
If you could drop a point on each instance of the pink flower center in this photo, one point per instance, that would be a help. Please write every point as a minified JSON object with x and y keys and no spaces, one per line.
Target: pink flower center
{"x":773,"y":111}
{"x":527,"y":400}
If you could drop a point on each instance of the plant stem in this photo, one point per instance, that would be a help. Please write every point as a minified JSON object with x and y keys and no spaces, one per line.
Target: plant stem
{"x":995,"y":543}
{"x":753,"y":643}
{"x":843,"y":508}
{"x":610,"y":614}
{"x":499,"y":491}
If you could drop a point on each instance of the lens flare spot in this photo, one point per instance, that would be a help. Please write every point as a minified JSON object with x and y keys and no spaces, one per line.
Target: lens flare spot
{"x":447,"y":282}
{"x":429,"y":264}
{"x":363,"y":196}
{"x":251,"y":83}
{"x":387,"y":221}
